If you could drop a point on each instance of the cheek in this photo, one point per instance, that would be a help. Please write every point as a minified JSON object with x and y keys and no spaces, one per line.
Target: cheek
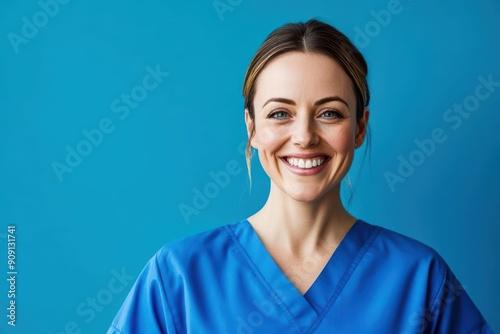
{"x":267,"y":138}
{"x":343,"y":139}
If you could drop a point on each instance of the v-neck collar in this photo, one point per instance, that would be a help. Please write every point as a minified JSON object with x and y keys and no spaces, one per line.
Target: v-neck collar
{"x":306,"y":311}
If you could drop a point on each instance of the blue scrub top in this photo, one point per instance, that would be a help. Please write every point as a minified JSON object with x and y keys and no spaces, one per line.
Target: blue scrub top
{"x":224,"y":281}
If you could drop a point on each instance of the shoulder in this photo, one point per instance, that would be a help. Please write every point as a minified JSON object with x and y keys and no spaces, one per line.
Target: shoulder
{"x":407,"y":246}
{"x":202,"y":246}
{"x":419,"y":273}
{"x":409,"y":263}
{"x":408,"y":254}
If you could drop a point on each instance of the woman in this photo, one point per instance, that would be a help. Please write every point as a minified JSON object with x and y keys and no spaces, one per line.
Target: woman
{"x":301,"y":264}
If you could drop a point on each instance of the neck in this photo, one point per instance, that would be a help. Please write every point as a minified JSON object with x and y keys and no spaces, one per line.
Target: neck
{"x":302,"y":227}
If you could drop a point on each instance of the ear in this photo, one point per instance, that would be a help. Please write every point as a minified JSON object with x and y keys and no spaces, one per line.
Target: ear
{"x":361,"y":127}
{"x":250,"y":123}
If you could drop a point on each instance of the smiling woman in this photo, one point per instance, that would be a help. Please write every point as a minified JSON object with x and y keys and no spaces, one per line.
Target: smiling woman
{"x":312,"y":124}
{"x":302,"y":263}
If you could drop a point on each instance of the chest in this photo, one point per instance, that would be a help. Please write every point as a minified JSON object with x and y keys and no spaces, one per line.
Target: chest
{"x":302,"y":271}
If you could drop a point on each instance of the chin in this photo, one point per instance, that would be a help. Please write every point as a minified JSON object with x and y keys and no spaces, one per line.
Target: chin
{"x":309,"y":193}
{"x":305,"y":195}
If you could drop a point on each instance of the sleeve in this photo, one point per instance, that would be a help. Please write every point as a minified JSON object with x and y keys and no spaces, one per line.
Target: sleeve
{"x":453,"y":311}
{"x":146,"y":308}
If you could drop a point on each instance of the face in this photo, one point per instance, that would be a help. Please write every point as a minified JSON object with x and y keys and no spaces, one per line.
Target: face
{"x":305,"y":124}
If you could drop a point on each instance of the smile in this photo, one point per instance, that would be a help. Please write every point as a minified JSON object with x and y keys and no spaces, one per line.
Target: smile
{"x":306,"y":163}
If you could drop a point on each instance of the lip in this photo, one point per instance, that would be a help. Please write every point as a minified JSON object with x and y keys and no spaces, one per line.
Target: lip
{"x":305,"y":156}
{"x":305,"y":171}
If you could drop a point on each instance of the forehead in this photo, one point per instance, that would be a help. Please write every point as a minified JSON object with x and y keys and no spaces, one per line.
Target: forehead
{"x":303,"y":77}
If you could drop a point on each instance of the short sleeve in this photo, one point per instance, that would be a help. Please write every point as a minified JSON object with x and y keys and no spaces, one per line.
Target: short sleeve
{"x":453,"y":310}
{"x":146,"y":308}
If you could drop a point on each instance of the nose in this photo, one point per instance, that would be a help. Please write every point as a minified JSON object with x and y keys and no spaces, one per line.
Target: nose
{"x":304,"y":132}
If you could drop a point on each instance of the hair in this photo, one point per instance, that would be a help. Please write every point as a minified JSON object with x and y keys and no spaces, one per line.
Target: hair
{"x":312,"y":36}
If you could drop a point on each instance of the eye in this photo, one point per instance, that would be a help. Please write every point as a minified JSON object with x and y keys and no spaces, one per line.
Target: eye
{"x":278,"y":114}
{"x":332,"y":113}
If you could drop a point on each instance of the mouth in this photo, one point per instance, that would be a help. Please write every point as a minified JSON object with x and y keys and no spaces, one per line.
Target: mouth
{"x":308,"y":163}
{"x":305,"y":163}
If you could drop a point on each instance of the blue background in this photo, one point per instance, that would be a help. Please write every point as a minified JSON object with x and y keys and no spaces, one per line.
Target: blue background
{"x":120,"y":204}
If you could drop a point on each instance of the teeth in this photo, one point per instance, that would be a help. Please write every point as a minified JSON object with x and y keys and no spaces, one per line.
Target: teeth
{"x":305,"y":163}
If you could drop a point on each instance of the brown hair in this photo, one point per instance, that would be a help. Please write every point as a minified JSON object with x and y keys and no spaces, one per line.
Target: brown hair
{"x":315,"y":37}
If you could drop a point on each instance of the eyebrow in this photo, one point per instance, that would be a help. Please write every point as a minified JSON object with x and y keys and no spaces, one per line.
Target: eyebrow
{"x":317,"y":103}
